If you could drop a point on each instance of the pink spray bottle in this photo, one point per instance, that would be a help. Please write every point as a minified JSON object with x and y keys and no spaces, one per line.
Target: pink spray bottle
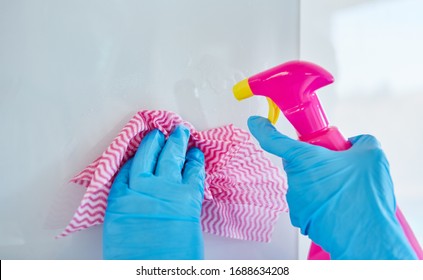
{"x":290,"y":87}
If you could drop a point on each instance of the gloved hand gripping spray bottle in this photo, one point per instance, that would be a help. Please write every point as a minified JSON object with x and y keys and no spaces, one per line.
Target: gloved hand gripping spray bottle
{"x":290,"y":87}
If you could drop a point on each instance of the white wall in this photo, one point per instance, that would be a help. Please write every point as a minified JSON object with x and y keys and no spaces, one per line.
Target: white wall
{"x":373,"y":48}
{"x":72,"y":73}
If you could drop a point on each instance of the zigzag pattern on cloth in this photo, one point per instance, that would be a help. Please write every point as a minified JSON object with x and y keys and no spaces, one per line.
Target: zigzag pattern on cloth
{"x":244,"y":190}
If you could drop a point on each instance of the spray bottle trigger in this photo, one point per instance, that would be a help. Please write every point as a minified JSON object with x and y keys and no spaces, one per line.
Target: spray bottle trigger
{"x":273,"y":111}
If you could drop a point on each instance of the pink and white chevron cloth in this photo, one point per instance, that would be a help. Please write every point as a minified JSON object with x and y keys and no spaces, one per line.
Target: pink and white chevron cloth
{"x":244,"y":191}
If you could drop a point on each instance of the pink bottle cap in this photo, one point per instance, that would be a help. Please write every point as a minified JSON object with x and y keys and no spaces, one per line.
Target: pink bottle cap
{"x":292,"y":86}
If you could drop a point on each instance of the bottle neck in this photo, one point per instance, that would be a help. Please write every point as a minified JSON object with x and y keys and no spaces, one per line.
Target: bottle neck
{"x":307,"y":118}
{"x":330,"y":138}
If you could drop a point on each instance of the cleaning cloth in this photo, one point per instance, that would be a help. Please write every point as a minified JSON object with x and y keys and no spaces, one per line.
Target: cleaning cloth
{"x":244,"y":191}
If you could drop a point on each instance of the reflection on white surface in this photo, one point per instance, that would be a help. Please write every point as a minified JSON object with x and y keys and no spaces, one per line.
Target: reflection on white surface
{"x":373,"y":49}
{"x":72,"y":73}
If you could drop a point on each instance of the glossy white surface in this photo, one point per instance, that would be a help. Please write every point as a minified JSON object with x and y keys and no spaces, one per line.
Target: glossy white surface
{"x":373,"y":49}
{"x":72,"y":73}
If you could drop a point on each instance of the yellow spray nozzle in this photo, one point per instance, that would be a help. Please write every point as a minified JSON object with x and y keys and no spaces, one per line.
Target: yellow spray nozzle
{"x":242,"y":90}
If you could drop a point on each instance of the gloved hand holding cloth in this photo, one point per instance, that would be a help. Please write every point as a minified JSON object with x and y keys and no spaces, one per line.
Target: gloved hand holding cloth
{"x":154,"y":205}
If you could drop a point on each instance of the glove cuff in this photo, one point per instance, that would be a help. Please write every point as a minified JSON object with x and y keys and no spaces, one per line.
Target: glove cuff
{"x":156,"y":239}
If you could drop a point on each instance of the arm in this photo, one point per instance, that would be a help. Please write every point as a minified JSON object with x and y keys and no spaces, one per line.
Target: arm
{"x":344,"y":201}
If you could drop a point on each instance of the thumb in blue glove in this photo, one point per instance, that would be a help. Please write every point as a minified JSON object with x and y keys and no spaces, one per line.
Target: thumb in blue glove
{"x":154,"y":205}
{"x":343,"y":200}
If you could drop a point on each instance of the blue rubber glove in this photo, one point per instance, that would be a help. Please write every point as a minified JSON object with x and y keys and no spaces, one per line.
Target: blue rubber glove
{"x":154,"y":205}
{"x":344,"y":201}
